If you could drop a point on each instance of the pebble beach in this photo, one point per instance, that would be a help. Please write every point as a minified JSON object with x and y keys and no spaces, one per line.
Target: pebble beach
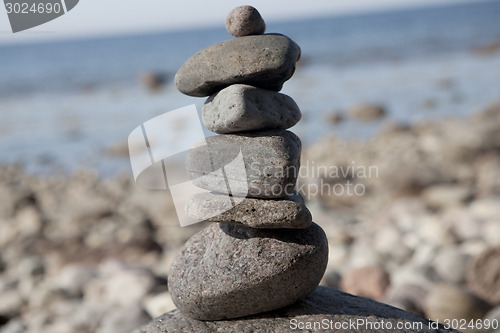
{"x":76,"y":247}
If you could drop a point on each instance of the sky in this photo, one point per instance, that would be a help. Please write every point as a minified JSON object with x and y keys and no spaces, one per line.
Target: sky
{"x":112,"y":17}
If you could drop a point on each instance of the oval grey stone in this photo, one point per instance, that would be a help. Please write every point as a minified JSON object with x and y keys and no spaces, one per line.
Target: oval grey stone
{"x":245,"y":21}
{"x":264,"y":61}
{"x":229,"y":271}
{"x":290,"y":212}
{"x":241,"y":107}
{"x":271,"y":161}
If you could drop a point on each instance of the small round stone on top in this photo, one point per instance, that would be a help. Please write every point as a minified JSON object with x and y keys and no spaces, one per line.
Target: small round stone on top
{"x":245,"y":21}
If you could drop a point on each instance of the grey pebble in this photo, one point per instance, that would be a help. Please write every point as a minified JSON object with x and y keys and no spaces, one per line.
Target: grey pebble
{"x":229,"y":271}
{"x":241,"y":107}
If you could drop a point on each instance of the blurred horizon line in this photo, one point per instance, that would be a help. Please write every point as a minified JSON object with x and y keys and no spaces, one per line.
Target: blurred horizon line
{"x":217,"y":26}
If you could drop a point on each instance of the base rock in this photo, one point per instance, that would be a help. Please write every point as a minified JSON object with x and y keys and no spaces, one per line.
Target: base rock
{"x":324,"y":304}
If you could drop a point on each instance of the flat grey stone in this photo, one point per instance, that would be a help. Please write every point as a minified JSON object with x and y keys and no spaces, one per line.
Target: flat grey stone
{"x":289,"y":212}
{"x":245,"y":21}
{"x":241,"y":107}
{"x":264,"y":61}
{"x":323,"y":305}
{"x":228,"y":271}
{"x":271,"y":163}
{"x":446,"y":301}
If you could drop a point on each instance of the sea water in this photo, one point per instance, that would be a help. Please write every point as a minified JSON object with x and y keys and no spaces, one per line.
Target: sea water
{"x":64,"y":104}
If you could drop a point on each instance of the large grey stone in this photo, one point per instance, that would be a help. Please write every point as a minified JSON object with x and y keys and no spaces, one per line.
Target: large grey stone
{"x":290,"y":212}
{"x":241,"y":107}
{"x":228,"y":271}
{"x":264,"y":61}
{"x":245,"y":21}
{"x":271,"y":163}
{"x":325,"y":305}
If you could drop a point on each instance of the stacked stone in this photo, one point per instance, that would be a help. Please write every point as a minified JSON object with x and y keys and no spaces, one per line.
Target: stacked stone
{"x":264,"y":253}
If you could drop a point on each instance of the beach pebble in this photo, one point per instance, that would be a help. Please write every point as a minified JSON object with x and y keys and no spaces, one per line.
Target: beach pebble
{"x":366,"y":112}
{"x":462,"y":223}
{"x":451,"y":264}
{"x":445,"y":195}
{"x":122,"y":286}
{"x":153,"y":81}
{"x":334,"y":118}
{"x":289,"y":212}
{"x":265,"y":61}
{"x":245,"y":21}
{"x":325,"y":304}
{"x":11,"y":304}
{"x":158,"y":304}
{"x":490,"y":231}
{"x":240,"y":107}
{"x":332,"y":277}
{"x":387,"y":241}
{"x":452,"y":302}
{"x":483,"y":276}
{"x":369,"y":281}
{"x":271,"y":160}
{"x":46,"y":295}
{"x":13,"y":326}
{"x":229,"y":271}
{"x":410,"y":273}
{"x":73,"y":278}
{"x":409,"y":297}
{"x":433,"y":232}
{"x":123,"y":319}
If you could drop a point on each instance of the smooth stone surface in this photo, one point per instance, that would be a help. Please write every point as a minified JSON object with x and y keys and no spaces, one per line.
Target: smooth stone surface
{"x":323,"y":304}
{"x":265,"y":61}
{"x":229,"y":271}
{"x":245,"y":21}
{"x":271,"y":160}
{"x":241,"y":107}
{"x":289,"y":212}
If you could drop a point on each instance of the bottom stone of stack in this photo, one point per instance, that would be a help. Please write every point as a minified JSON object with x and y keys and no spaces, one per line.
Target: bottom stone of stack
{"x":229,"y":271}
{"x":324,"y":310}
